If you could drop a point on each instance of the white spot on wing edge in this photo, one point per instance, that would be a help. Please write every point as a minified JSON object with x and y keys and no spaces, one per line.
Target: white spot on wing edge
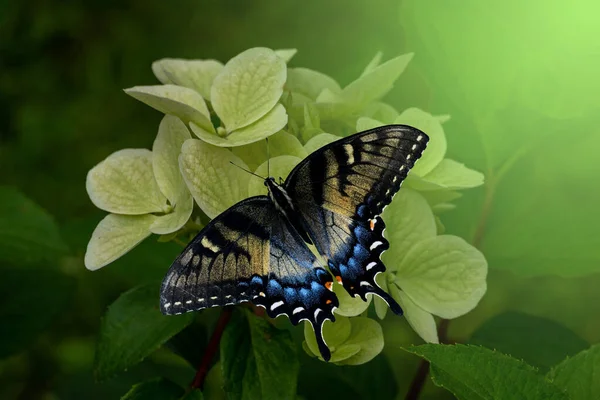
{"x":371,"y":265}
{"x":375,"y":245}
{"x":419,"y":138}
{"x":276,"y":304}
{"x":167,"y":305}
{"x":297,"y":310}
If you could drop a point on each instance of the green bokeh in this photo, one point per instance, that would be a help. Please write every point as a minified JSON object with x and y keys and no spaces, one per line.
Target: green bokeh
{"x":519,"y":79}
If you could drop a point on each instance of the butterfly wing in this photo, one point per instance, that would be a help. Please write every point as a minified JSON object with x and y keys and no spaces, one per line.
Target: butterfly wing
{"x":251,"y":253}
{"x":341,"y":189}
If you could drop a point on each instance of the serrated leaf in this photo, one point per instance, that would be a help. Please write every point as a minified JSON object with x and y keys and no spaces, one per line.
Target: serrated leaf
{"x":538,"y":341}
{"x":366,"y":123}
{"x":335,"y":335}
{"x":579,"y":376}
{"x":476,"y":373}
{"x":272,"y":122}
{"x":177,"y":218}
{"x":408,"y":220}
{"x":193,"y":74}
{"x":444,"y":275}
{"x":156,"y":389}
{"x":436,"y":148}
{"x":165,"y":155}
{"x":258,"y":361}
{"x":124,"y":183}
{"x":31,"y":299}
{"x":281,"y":143}
{"x":114,"y":236}
{"x":309,"y":83}
{"x":366,"y":333}
{"x":319,"y":141}
{"x":179,"y":101}
{"x":447,"y":175}
{"x":248,"y":87}
{"x":377,"y":82}
{"x":286,"y":54}
{"x":133,"y":328}
{"x":349,"y":306}
{"x":420,"y":320}
{"x":214,"y":182}
{"x":28,"y":234}
{"x":277,"y":167}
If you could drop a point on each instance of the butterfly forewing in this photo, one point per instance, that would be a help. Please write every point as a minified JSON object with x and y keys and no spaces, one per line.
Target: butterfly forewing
{"x":341,"y":189}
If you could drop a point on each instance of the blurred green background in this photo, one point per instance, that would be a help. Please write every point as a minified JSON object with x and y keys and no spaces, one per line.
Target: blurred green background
{"x":519,"y":79}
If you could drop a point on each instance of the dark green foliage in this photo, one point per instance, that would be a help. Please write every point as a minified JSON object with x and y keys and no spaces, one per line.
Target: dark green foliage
{"x":157,"y":389}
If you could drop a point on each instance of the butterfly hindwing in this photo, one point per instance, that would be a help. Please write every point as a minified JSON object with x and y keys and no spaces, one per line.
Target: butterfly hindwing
{"x":341,"y":189}
{"x":251,"y":253}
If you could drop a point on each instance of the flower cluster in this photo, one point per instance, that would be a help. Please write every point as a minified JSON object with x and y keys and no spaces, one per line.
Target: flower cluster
{"x":216,"y":117}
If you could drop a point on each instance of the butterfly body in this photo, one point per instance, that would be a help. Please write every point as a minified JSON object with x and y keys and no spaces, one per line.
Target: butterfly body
{"x":257,"y":250}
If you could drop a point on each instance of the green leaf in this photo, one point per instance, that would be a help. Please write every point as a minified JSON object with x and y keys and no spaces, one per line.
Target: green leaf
{"x":272,"y":122}
{"x":334,"y":334}
{"x":349,"y":306}
{"x":114,"y":236}
{"x":420,"y":320}
{"x":579,"y":376}
{"x":448,"y":174}
{"x":214,"y":182}
{"x":367,"y":334}
{"x":408,"y":220}
{"x":281,"y":143}
{"x":179,"y":101}
{"x":31,"y":298}
{"x":435,"y":197}
{"x":193,"y":74}
{"x":280,"y":167}
{"x":286,"y":54}
{"x":538,"y":341}
{"x":158,"y":389}
{"x":124,"y":183}
{"x":366,"y":123}
{"x":193,"y":395}
{"x":176,"y":219}
{"x":436,"y":148}
{"x":319,"y":141}
{"x":309,"y":83}
{"x":374,"y":63}
{"x":444,"y":275}
{"x":476,"y":373}
{"x":376,"y":83}
{"x":258,"y":361}
{"x":28,"y":234}
{"x":165,"y":154}
{"x":132,"y":329}
{"x":248,"y":87}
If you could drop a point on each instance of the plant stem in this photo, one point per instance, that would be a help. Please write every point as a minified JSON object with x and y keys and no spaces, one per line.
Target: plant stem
{"x":211,"y":349}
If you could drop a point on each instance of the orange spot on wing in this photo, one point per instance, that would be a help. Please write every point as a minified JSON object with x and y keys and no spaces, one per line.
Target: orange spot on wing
{"x":338,"y":279}
{"x":328,"y":285}
{"x":328,"y":301}
{"x":372,"y":224}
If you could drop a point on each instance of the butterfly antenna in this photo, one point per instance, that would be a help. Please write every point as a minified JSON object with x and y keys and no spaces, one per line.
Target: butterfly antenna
{"x":268,"y":159}
{"x":250,"y":172}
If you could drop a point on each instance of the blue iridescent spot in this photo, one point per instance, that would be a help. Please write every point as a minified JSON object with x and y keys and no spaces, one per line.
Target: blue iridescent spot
{"x":362,"y":234}
{"x":274,"y":288}
{"x":362,"y":211}
{"x":256,"y":281}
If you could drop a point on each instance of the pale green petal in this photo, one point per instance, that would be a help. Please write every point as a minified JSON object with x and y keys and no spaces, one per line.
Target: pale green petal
{"x":333,"y":106}
{"x":273,"y":122}
{"x":319,"y":141}
{"x":374,"y":63}
{"x":436,"y":148}
{"x":279,"y":167}
{"x":380,"y":112}
{"x":310,"y":83}
{"x":114,"y":236}
{"x":286,"y":54}
{"x":381,"y":307}
{"x":214,"y":182}
{"x":435,"y":197}
{"x":248,"y":87}
{"x":334,"y":334}
{"x":165,"y":156}
{"x":443,"y":118}
{"x":444,"y":275}
{"x":349,"y":306}
{"x":281,"y":143}
{"x":377,"y":82}
{"x":366,"y":123}
{"x":420,"y":320}
{"x":448,"y":174}
{"x":193,"y":74}
{"x":182,"y":102}
{"x":408,"y":220}
{"x":124,"y":184}
{"x":366,"y":333}
{"x":177,"y":218}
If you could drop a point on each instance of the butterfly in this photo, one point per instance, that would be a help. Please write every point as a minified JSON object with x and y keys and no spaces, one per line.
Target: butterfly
{"x":258,"y":249}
